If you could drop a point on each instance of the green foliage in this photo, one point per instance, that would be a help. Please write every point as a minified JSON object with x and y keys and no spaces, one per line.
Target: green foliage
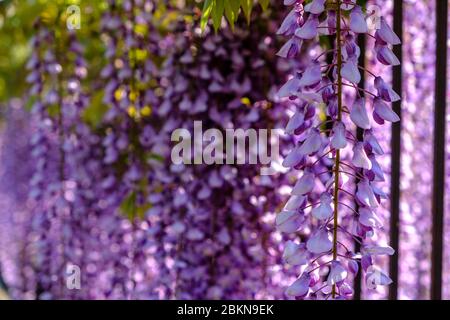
{"x":131,"y":209}
{"x":362,"y":3}
{"x":232,"y":11}
{"x":264,"y":4}
{"x":17,"y":18}
{"x":216,"y":9}
{"x":15,"y":30}
{"x":94,"y":113}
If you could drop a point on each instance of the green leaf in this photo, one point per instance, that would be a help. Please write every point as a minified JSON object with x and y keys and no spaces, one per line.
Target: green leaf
{"x":207,"y":10}
{"x":217,"y":13}
{"x":264,"y":4}
{"x":325,"y":42}
{"x":232,"y":8}
{"x":155,"y":156}
{"x":131,"y":209}
{"x":362,"y":3}
{"x":94,"y":113}
{"x":30,"y":102}
{"x":247,"y":6}
{"x":128,"y":205}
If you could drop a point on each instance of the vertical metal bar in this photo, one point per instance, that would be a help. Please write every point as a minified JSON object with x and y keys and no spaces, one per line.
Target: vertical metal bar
{"x":360,"y":136}
{"x":439,"y":149}
{"x":396,"y":157}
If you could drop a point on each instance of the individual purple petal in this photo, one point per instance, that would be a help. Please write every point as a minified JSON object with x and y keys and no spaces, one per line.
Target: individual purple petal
{"x":314,"y":272}
{"x":290,"y":48}
{"x":350,"y":71}
{"x":375,"y":277}
{"x":289,"y":2}
{"x":386,"y":34}
{"x":324,"y":29}
{"x":315,"y":6}
{"x":328,"y":26}
{"x":377,"y":118}
{"x":360,"y":159}
{"x":310,"y":97}
{"x":358,"y":22}
{"x":295,"y":202}
{"x":363,"y":231}
{"x":295,"y":122}
{"x":320,"y":242}
{"x":370,"y":175}
{"x":352,"y":50}
{"x":386,"y":56}
{"x":300,"y":287}
{"x":382,"y":110}
{"x":312,"y":76}
{"x":379,"y":193}
{"x":385,"y":92}
{"x":290,"y":88}
{"x":288,"y":221}
{"x":290,"y":24}
{"x":358,"y":114}
{"x":312,"y":144}
{"x":365,"y":194}
{"x":369,"y":218}
{"x":295,"y":254}
{"x":345,"y":289}
{"x":332,"y":107}
{"x":372,"y":141}
{"x":337,"y":273}
{"x":353,"y":266}
{"x":378,"y":250}
{"x":310,"y":111}
{"x":366,"y":262}
{"x":294,"y":158}
{"x":348,"y":5}
{"x":309,"y":29}
{"x":331,"y":22}
{"x":376,"y":168}
{"x":326,"y":90}
{"x":324,"y":210}
{"x":301,"y":129}
{"x":338,"y":139}
{"x":305,"y":184}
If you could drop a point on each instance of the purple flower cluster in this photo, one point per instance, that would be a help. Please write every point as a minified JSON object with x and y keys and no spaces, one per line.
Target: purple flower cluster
{"x":325,"y":260}
{"x":46,"y":184}
{"x":216,"y":221}
{"x":15,"y":209}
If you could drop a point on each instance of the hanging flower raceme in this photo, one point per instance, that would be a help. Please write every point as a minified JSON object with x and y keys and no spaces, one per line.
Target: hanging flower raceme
{"x":419,"y":73}
{"x":15,"y":210}
{"x":58,"y":103}
{"x":325,"y":260}
{"x":46,"y":183}
{"x":214,"y":220}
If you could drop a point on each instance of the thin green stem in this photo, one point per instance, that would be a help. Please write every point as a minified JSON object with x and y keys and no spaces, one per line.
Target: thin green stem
{"x":338,"y":153}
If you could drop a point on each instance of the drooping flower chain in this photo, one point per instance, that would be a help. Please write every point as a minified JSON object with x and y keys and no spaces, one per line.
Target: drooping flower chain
{"x":325,"y":259}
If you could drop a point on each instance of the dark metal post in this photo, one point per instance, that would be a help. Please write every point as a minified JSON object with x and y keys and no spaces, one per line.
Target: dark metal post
{"x":396,"y":157}
{"x":439,"y":149}
{"x":360,"y":136}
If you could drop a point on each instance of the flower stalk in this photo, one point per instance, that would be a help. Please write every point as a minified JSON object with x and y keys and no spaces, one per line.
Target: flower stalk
{"x":338,"y":151}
